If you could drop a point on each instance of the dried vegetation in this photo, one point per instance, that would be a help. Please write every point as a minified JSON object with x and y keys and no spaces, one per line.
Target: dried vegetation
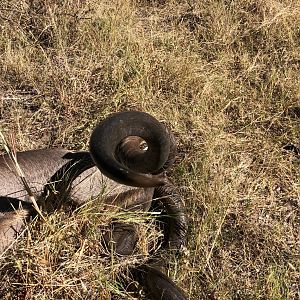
{"x":224,"y":74}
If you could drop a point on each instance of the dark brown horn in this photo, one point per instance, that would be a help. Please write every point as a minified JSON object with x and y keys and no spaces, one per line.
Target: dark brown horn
{"x":158,"y":286}
{"x":174,"y":221}
{"x":108,"y":136}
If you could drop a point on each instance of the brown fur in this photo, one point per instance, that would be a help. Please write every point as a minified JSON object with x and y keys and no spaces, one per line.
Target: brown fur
{"x":39,"y":166}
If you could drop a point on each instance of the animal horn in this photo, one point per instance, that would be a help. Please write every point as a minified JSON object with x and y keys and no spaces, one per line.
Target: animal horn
{"x":131,"y":148}
{"x":158,"y":286}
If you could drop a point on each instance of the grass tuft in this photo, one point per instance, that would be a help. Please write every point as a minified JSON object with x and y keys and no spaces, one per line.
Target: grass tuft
{"x":224,"y":75}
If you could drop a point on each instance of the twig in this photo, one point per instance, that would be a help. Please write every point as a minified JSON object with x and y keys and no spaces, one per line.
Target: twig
{"x":13,"y":156}
{"x":215,"y":241}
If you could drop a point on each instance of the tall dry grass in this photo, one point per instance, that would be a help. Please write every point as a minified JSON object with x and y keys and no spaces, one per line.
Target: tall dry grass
{"x":224,"y":74}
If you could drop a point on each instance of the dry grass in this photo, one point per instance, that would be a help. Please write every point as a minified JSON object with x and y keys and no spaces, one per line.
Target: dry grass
{"x":224,"y":74}
{"x":63,"y":258}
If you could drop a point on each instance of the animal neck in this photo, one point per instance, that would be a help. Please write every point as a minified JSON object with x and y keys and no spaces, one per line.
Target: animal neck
{"x":59,"y":185}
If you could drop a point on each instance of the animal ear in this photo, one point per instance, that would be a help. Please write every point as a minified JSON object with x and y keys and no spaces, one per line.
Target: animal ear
{"x":141,"y":167}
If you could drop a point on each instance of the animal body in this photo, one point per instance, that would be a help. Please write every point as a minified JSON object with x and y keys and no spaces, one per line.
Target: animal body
{"x":126,"y":164}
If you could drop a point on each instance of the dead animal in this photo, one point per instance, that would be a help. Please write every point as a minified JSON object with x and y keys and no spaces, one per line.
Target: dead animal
{"x":127,"y":162}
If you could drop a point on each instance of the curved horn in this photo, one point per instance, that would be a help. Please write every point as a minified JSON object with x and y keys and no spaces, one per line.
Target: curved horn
{"x":108,"y":136}
{"x":158,"y":286}
{"x":174,"y":221}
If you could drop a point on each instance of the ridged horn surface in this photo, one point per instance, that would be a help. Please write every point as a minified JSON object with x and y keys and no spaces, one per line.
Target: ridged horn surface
{"x":158,"y":286}
{"x":123,"y":131}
